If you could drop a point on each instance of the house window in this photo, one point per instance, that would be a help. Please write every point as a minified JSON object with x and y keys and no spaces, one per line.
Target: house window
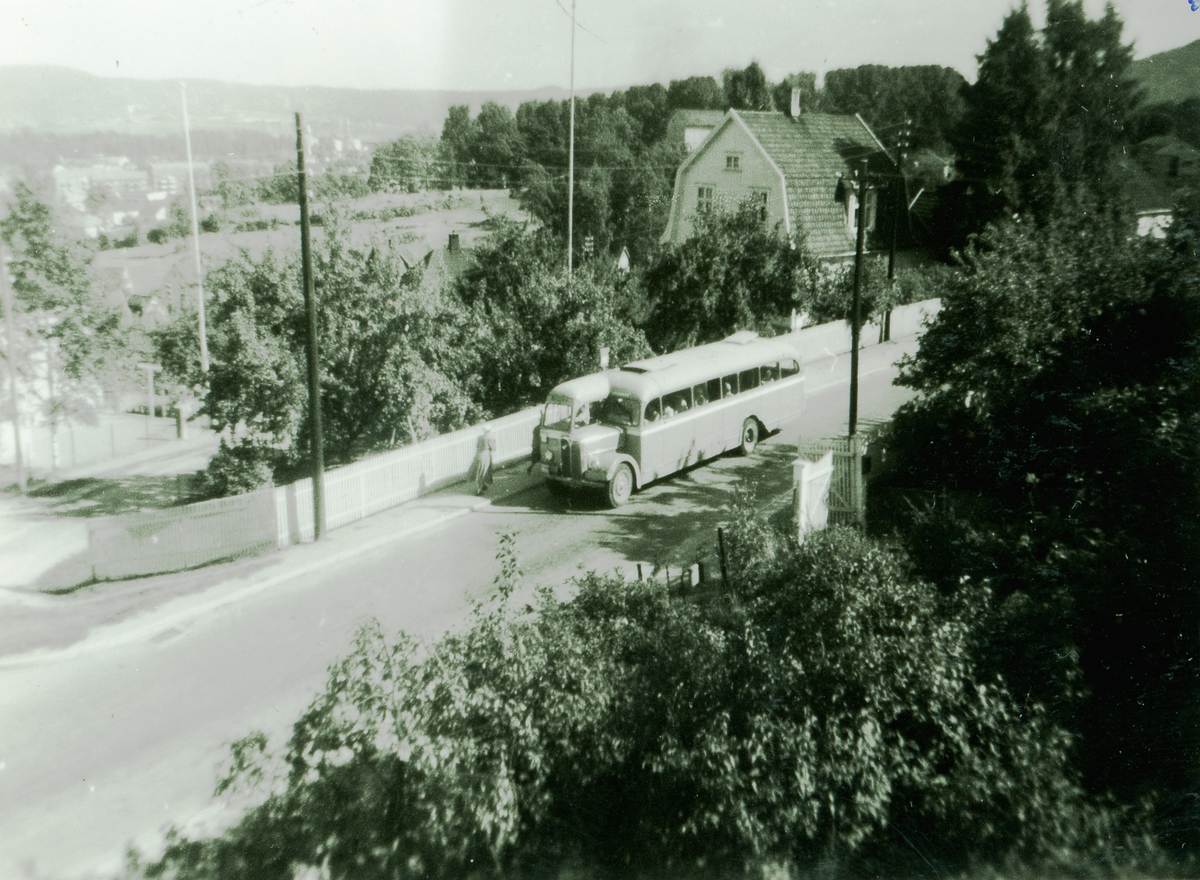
{"x":704,"y":200}
{"x":733,"y":162}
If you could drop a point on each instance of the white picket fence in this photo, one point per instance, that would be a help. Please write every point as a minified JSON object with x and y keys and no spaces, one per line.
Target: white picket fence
{"x":374,"y":484}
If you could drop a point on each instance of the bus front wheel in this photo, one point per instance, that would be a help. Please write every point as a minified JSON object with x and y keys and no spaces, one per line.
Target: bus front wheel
{"x":749,"y":435}
{"x":620,"y":487}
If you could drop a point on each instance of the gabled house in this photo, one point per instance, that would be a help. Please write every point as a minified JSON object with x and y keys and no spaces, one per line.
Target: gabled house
{"x":795,"y":170}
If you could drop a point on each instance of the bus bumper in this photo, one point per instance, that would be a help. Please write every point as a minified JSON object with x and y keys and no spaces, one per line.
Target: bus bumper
{"x":594,"y":478}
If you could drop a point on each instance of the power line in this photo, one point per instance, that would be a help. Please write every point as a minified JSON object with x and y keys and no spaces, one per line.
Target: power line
{"x":580,"y":26}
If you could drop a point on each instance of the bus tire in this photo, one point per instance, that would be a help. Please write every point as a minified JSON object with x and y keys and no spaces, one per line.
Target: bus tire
{"x":620,"y":487}
{"x":749,"y":436}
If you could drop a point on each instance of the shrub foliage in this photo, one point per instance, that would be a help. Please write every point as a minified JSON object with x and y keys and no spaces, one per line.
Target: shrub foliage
{"x":826,"y":712}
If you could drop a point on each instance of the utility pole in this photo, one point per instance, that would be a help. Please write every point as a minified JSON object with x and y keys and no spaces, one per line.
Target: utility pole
{"x":314,"y":363}
{"x":902,"y":195}
{"x":856,"y":307}
{"x":571,"y":163}
{"x":187,"y":136}
{"x":9,"y":304}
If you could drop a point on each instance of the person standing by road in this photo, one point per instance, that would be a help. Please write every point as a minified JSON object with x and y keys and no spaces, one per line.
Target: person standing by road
{"x":485,"y":453}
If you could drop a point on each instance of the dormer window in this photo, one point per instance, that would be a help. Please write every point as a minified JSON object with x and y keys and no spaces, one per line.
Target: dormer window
{"x":733,"y":161}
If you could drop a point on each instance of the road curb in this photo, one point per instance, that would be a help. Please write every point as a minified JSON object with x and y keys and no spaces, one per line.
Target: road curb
{"x":156,"y":621}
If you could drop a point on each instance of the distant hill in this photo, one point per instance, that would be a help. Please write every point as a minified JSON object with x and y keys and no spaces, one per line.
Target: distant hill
{"x":1170,"y":76}
{"x":58,"y":100}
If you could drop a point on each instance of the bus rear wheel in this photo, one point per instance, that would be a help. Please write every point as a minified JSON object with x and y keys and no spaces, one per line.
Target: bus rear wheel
{"x":749,"y":436}
{"x":620,"y":487}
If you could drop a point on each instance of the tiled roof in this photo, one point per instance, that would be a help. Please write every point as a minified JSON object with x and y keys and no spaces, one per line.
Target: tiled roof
{"x":812,"y":151}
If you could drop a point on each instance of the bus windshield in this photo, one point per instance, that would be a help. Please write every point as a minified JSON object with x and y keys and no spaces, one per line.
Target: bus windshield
{"x":617,"y":410}
{"x":557,"y":416}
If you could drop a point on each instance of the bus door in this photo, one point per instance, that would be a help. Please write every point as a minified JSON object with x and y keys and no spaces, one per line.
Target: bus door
{"x":774,"y":408}
{"x":652,"y":435}
{"x":731,"y":412}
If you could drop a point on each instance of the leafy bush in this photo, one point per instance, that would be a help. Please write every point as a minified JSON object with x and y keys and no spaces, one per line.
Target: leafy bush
{"x":828,"y":713}
{"x":235,"y":470}
{"x":734,"y":273}
{"x":1055,"y":442}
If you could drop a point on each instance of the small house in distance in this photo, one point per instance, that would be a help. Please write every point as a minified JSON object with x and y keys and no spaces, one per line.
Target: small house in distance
{"x":795,"y":170}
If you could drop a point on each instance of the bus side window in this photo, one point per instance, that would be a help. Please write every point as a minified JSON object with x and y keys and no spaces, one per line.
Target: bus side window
{"x":769,"y":372}
{"x":748,"y":379}
{"x":790,"y":368}
{"x":653,"y":410}
{"x":677,"y":402}
{"x":729,"y":386}
{"x":700,"y":394}
{"x":714,"y":389}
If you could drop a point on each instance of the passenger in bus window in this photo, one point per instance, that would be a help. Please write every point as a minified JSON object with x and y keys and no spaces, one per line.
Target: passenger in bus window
{"x":700,"y":393}
{"x":677,"y":402}
{"x":729,"y":386}
{"x":653,"y":410}
{"x":770,"y":372}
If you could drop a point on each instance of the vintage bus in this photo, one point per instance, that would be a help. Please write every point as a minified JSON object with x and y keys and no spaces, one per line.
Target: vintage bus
{"x":620,"y":429}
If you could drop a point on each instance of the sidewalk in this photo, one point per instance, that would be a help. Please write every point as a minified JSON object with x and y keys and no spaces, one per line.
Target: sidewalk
{"x":36,"y":625}
{"x":43,"y":534}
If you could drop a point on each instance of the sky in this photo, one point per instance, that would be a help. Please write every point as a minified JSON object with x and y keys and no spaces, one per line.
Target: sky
{"x":482,"y":45}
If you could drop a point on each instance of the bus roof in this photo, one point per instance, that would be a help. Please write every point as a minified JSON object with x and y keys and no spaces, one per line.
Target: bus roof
{"x":652,"y":377}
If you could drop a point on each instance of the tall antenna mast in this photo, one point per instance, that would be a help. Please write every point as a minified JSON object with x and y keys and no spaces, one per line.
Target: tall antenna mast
{"x":571,"y":162}
{"x":187,"y":136}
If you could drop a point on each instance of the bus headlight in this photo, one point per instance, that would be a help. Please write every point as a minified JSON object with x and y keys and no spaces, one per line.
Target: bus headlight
{"x":547,"y":455}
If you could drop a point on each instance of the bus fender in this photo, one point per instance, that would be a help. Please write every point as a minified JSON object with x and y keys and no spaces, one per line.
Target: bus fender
{"x":625,"y":459}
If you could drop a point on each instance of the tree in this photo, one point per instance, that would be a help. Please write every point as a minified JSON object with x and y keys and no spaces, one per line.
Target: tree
{"x":390,"y":361}
{"x":70,"y":349}
{"x":747,"y":89}
{"x":233,"y":192}
{"x":454,"y":147}
{"x":648,"y":107}
{"x":734,"y":273}
{"x":695,"y":93}
{"x":623,"y":188}
{"x":404,"y":165}
{"x":925,"y":99}
{"x":496,"y":149}
{"x":1043,"y":117}
{"x":531,"y":327}
{"x":1058,"y":424}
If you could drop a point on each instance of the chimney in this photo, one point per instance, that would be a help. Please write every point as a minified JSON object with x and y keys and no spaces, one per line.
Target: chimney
{"x":453,"y":246}
{"x":795,"y":103}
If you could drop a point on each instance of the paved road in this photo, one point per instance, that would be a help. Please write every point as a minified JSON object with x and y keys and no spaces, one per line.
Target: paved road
{"x":107,"y":739}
